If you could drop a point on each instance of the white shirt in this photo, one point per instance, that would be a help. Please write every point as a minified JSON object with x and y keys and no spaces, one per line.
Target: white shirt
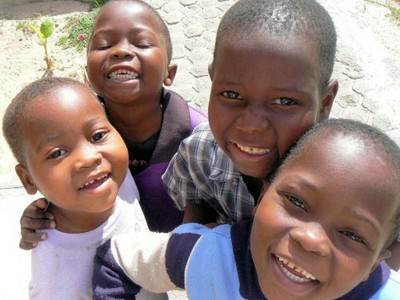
{"x":62,"y":265}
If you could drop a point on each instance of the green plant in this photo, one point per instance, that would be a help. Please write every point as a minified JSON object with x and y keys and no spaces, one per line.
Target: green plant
{"x":23,"y":25}
{"x":97,"y":3}
{"x":392,"y":5}
{"x":394,"y":13}
{"x":78,"y":30}
{"x":43,"y":32}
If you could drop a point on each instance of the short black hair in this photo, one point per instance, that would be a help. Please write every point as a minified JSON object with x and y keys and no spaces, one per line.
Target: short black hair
{"x":283,"y":18}
{"x":164,"y":29}
{"x":371,"y":137}
{"x":18,"y":110}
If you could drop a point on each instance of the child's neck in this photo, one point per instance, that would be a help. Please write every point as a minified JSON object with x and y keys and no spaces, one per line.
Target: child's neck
{"x":78,"y":222}
{"x":254,"y":186}
{"x":137,"y":123}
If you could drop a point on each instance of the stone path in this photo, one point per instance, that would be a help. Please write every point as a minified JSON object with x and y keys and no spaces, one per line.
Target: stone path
{"x":368,"y":69}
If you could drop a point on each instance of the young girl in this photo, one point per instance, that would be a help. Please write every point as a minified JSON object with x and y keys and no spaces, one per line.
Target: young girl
{"x":128,"y":62}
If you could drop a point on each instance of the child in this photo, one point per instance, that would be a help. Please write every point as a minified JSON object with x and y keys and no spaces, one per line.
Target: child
{"x":128,"y":61}
{"x":68,"y":151}
{"x":270,"y":82}
{"x":266,"y":91}
{"x":322,"y":226}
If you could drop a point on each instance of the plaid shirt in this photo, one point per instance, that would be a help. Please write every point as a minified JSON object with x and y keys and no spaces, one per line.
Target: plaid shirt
{"x":201,"y":171}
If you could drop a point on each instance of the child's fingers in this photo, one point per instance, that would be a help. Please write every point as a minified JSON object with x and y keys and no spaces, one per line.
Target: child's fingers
{"x":30,"y":239}
{"x":36,"y":223}
{"x":35,"y":210}
{"x":40,"y":203}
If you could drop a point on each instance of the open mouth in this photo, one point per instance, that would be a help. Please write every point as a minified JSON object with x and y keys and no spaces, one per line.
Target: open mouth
{"x":294,"y":272}
{"x":95,"y":182}
{"x":123,"y":75}
{"x":253,"y":150}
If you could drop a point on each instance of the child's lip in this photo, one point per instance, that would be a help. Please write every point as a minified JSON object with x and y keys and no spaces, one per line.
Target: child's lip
{"x":123,"y":69}
{"x":253,"y":150}
{"x":294,"y":271}
{"x":123,"y":74}
{"x":93,"y":179}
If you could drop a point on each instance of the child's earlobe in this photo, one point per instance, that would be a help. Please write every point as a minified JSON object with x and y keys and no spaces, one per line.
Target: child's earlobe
{"x":328,"y":99}
{"x":26,"y":179}
{"x":170,"y":74}
{"x":210,"y":69}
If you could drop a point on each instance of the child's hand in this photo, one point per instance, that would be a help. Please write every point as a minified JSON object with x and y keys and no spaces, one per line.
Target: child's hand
{"x":35,"y":217}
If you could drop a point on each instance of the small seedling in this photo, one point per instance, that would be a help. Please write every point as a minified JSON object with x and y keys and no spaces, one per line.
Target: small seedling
{"x":44,"y":32}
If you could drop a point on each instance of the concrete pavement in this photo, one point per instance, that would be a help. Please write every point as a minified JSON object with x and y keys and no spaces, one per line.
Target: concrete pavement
{"x":367,"y":66}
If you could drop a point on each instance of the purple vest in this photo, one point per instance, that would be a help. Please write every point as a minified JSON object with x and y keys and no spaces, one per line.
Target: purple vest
{"x":179,"y":120}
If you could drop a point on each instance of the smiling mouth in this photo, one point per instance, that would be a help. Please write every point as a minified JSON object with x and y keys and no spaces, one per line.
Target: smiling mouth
{"x":253,"y":150}
{"x":96,"y":181}
{"x":123,"y":75}
{"x":294,"y":272}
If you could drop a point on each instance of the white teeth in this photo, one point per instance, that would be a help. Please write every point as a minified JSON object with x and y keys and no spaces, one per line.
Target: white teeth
{"x":92,"y":181}
{"x":285,"y":263}
{"x":253,"y":150}
{"x":123,"y":74}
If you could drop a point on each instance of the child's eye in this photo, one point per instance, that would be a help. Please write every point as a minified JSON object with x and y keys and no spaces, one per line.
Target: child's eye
{"x":57,"y":153}
{"x":143,"y":45}
{"x":284,"y":101}
{"x":103,"y":47}
{"x":231,"y":95}
{"x":98,"y":136}
{"x":353,"y":236}
{"x":297,"y":202}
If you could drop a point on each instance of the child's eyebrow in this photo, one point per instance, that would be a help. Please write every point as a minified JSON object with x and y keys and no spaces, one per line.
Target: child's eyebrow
{"x":48,"y":140}
{"x":371,"y":222}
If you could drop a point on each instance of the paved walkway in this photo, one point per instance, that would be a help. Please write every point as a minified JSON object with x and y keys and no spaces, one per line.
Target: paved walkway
{"x":368,"y":69}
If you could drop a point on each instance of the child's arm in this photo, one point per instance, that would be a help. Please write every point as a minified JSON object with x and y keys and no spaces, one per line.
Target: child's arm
{"x":129,"y":262}
{"x":33,"y":218}
{"x":394,"y":260}
{"x":153,"y":261}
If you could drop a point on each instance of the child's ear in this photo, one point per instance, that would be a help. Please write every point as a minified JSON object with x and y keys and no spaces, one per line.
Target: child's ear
{"x":172,"y":68}
{"x":384,"y":255}
{"x":26,"y":179}
{"x":210,"y":70}
{"x":328,"y":99}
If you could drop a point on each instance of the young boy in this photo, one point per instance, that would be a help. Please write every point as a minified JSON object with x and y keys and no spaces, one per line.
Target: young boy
{"x":128,"y":62}
{"x":266,"y":91}
{"x":323,"y":225}
{"x":270,"y":82}
{"x":68,"y":151}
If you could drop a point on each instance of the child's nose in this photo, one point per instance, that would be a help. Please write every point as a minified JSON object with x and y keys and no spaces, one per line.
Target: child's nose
{"x":254,"y":118}
{"x":87,"y":156}
{"x":122,"y":50}
{"x":312,"y":238}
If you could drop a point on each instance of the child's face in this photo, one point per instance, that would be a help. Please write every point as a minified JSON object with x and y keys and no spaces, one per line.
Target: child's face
{"x":264,"y":95}
{"x":127,"y":56}
{"x":321,"y":226}
{"x":74,"y":157}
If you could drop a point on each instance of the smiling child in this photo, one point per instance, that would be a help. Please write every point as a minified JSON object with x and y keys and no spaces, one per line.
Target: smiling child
{"x":322,"y":226}
{"x":68,"y":151}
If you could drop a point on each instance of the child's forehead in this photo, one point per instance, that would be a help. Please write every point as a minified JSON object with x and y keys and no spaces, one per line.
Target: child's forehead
{"x":349,"y":169}
{"x":69,"y":96}
{"x":348,"y":156}
{"x":120,"y":10}
{"x":259,"y":38}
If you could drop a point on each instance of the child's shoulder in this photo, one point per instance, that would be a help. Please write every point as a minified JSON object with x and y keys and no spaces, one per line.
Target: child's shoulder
{"x":202,"y":142}
{"x":391,"y":289}
{"x":177,"y":110}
